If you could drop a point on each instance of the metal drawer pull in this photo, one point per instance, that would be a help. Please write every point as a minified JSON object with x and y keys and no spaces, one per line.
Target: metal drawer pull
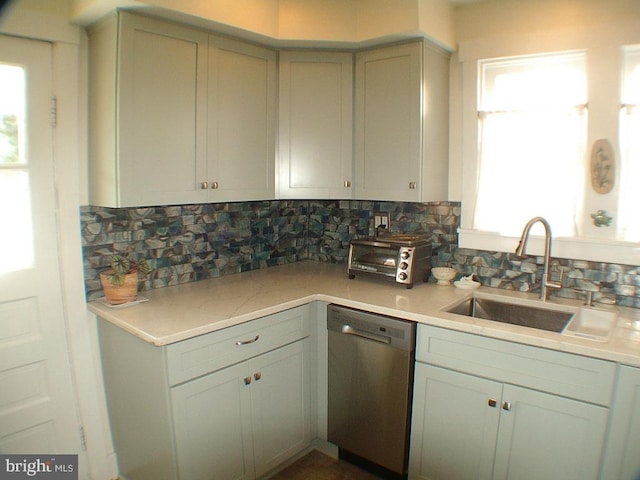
{"x":204,"y":185}
{"x":246,"y":342}
{"x":492,"y":402}
{"x":257,"y":376}
{"x":347,"y":184}
{"x":506,"y":406}
{"x":247,"y":380}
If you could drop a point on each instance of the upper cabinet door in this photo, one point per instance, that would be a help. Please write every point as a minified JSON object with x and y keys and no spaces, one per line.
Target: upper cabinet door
{"x":148,"y":79}
{"x":315,"y":125}
{"x":388,"y":123}
{"x":241,"y":121}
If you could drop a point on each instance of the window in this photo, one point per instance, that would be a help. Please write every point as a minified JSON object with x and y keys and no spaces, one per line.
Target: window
{"x":16,"y":248}
{"x":628,"y":225}
{"x":532,"y":140}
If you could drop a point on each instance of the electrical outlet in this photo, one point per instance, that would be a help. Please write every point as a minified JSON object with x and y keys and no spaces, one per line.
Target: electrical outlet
{"x":381,"y":218}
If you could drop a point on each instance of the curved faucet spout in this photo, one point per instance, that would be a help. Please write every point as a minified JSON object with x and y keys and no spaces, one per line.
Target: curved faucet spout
{"x":520,"y":251}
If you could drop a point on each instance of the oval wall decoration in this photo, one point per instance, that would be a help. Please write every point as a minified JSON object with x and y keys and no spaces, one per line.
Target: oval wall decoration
{"x":603,"y":166}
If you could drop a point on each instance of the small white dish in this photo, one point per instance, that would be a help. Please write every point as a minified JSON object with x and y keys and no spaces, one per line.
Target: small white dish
{"x":467,"y":284}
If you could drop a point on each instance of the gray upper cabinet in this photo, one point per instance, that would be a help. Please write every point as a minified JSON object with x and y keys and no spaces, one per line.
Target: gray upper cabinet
{"x":241,"y":98}
{"x":315,"y":124}
{"x":401,"y":123}
{"x":147,"y":82}
{"x":178,"y":116}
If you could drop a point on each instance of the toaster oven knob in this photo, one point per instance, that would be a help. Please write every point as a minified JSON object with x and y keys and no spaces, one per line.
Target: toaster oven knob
{"x":404,"y":255}
{"x":404,"y":265}
{"x":402,"y":276}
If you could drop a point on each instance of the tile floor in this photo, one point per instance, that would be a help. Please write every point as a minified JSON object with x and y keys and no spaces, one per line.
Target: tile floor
{"x":318,"y":466}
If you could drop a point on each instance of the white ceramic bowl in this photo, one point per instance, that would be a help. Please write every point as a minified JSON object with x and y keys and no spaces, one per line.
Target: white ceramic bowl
{"x":444,"y":275}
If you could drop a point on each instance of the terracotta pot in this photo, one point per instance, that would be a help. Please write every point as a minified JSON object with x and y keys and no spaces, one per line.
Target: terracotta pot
{"x":118,"y":294}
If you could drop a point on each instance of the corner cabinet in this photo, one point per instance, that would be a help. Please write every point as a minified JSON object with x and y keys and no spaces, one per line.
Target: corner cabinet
{"x":233,"y":404}
{"x":315,"y":125}
{"x":401,"y":123}
{"x":177,"y":115}
{"x":622,"y":461}
{"x":489,"y":409}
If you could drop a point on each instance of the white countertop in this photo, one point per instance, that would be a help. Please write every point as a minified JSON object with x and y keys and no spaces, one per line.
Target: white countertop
{"x":184,"y":311}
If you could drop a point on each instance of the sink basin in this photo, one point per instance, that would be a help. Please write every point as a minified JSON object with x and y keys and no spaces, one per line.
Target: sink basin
{"x":592,"y":323}
{"x":513,"y":313}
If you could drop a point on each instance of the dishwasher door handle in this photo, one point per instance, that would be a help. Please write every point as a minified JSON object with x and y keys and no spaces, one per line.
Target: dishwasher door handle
{"x":349,"y":330}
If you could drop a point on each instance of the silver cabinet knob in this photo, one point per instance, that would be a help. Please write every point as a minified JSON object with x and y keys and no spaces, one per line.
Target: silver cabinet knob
{"x":347,"y":184}
{"x":506,"y":406}
{"x":412,"y":185}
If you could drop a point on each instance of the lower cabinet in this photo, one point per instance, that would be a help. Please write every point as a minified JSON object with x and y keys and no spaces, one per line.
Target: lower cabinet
{"x":468,"y":426}
{"x":622,"y":459}
{"x":245,"y":420}
{"x":233,"y":404}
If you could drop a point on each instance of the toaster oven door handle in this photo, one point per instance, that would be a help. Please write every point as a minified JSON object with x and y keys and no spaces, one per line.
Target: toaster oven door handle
{"x":349,"y":330}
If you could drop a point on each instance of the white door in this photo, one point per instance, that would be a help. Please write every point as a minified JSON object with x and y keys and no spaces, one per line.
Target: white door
{"x":37,"y":399}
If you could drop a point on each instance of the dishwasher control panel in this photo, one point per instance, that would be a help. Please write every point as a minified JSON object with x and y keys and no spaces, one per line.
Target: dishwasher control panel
{"x":390,"y":330}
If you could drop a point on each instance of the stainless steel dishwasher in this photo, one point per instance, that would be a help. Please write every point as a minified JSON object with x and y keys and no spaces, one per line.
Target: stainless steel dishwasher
{"x":371,"y":363}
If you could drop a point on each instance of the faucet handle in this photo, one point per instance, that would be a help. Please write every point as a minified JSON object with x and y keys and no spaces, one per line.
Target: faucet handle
{"x":554,"y":283}
{"x":588,"y":300}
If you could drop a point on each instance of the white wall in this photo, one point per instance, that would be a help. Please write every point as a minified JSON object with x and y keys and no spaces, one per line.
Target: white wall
{"x":333,"y":23}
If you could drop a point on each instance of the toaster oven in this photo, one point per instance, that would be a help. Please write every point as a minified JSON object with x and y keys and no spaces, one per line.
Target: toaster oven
{"x":404,"y":259}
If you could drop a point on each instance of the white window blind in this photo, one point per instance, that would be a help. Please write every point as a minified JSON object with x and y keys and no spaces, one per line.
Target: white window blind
{"x":532,"y":137}
{"x":629,"y":209}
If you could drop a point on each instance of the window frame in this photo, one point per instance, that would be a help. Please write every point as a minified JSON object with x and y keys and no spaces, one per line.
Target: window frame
{"x":518,"y":108}
{"x":604,"y":68}
{"x":629,"y":107}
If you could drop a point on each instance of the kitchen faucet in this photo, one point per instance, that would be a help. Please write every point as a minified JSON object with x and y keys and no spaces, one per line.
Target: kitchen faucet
{"x":545,"y":280}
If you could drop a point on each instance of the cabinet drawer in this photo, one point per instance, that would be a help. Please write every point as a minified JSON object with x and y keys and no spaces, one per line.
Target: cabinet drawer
{"x":207,"y":353}
{"x":550,"y":371}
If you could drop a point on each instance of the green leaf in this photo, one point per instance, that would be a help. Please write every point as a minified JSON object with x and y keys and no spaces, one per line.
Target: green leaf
{"x":120,"y":265}
{"x":143,"y":266}
{"x":114,"y":278}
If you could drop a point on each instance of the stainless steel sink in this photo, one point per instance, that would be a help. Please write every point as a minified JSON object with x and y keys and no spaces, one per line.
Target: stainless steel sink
{"x":512,"y":313}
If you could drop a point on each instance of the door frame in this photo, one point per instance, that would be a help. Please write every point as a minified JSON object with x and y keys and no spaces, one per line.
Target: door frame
{"x":69,"y":60}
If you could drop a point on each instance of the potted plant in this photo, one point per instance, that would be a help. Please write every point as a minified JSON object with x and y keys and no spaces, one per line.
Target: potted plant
{"x":120,"y":281}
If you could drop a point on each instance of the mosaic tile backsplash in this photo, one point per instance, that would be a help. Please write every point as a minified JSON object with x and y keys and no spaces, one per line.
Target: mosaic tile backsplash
{"x":193,"y":242}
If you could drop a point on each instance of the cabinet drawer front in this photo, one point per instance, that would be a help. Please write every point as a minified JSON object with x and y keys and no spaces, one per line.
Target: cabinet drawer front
{"x":564,"y":374}
{"x":207,"y":353}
